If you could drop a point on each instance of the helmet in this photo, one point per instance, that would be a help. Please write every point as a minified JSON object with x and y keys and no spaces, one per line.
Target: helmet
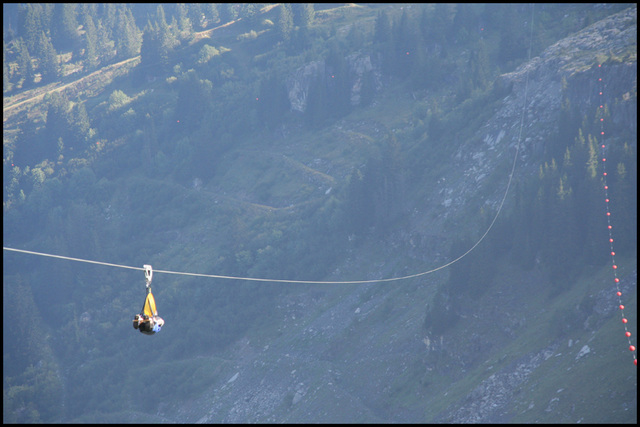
{"x":159,"y":323}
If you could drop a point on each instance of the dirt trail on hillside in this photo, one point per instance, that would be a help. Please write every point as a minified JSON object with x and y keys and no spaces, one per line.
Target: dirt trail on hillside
{"x":38,"y":93}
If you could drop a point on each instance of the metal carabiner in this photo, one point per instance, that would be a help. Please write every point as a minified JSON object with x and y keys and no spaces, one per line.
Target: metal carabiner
{"x":148,"y":274}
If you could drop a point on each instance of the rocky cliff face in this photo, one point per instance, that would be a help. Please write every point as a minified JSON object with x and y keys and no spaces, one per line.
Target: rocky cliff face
{"x":299,"y":81}
{"x":571,"y":62}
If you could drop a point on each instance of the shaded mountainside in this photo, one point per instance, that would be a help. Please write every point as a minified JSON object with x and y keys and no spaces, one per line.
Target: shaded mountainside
{"x":361,"y":354}
{"x":304,"y":174}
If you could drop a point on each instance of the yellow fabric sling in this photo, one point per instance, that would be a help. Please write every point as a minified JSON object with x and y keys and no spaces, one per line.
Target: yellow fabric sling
{"x":150,"y":305}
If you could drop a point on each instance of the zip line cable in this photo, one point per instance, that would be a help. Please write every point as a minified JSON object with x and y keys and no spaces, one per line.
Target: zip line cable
{"x":341,"y":282}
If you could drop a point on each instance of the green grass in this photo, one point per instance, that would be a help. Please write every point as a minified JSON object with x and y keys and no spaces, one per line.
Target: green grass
{"x":583,"y":382}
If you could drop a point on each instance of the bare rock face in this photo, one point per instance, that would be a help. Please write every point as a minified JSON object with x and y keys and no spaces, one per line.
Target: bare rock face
{"x":359,"y":64}
{"x":298,"y":84}
{"x":537,"y":89}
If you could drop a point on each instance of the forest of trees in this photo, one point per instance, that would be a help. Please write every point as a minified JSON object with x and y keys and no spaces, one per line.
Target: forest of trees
{"x":188,"y":103}
{"x":47,"y":41}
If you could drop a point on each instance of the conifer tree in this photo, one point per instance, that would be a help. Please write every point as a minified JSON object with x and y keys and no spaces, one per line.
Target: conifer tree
{"x":49,"y":64}
{"x":150,"y":51}
{"x":250,"y":13}
{"x":303,"y":14}
{"x":193,"y":98}
{"x":228,"y":12}
{"x":166,"y":34}
{"x":64,"y":26}
{"x":127,"y":38}
{"x":441,"y":22}
{"x":211,"y":14}
{"x":104,"y":49}
{"x":91,"y":43}
{"x":624,"y":198}
{"x":479,"y":66}
{"x":58,"y":119}
{"x":157,"y":44}
{"x":382,"y":29}
{"x":6,"y":81}
{"x":25,"y":66}
{"x":195,"y":14}
{"x":184,"y":23}
{"x":285,"y":21}
{"x":29,"y":25}
{"x":28,"y":151}
{"x":404,"y":45}
{"x":80,"y":125}
{"x":511,"y":43}
{"x":110,"y":19}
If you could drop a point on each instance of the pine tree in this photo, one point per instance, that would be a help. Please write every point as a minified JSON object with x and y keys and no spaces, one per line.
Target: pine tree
{"x":167,"y":34}
{"x":80,"y":125}
{"x":28,"y":151}
{"x":109,"y":19}
{"x":404,"y":36}
{"x":211,"y":14}
{"x":592,"y":162}
{"x":49,"y":64}
{"x":465,"y":21}
{"x":195,"y":15}
{"x":157,"y":44}
{"x":6,"y":81}
{"x":184,"y":23}
{"x":250,"y":13}
{"x":355,"y":38}
{"x":150,"y":51}
{"x":29,"y":25}
{"x":300,"y":40}
{"x":624,"y":198}
{"x":127,"y":38}
{"x":104,"y":48}
{"x":511,"y":43}
{"x":64,"y":26}
{"x":25,"y":66}
{"x":91,"y":43}
{"x":58,"y":120}
{"x":382,"y":31}
{"x":193,"y":98}
{"x":228,"y":12}
{"x":479,"y":65}
{"x":303,"y":14}
{"x":441,"y":22}
{"x":285,"y":21}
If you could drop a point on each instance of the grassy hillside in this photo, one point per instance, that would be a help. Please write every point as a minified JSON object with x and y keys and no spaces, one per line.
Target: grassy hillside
{"x":198,"y":160}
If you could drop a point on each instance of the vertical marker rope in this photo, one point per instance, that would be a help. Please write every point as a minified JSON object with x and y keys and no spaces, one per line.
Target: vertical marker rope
{"x":601,"y":104}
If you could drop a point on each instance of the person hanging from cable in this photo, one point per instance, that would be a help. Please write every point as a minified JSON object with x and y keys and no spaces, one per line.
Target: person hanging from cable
{"x":148,"y":322}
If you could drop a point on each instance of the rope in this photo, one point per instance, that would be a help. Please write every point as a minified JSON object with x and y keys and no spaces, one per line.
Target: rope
{"x":340,"y":282}
{"x":616,"y":280}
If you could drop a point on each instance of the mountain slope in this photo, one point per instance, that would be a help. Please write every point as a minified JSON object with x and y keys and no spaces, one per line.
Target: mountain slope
{"x":247,"y":156}
{"x":361,"y":354}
